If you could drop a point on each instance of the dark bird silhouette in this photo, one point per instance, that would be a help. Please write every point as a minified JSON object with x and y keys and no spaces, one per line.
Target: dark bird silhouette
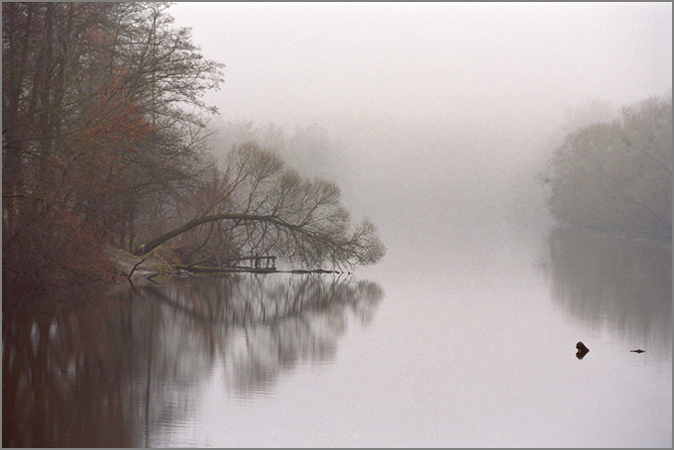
{"x":581,"y":346}
{"x":638,"y":351}
{"x":582,"y":350}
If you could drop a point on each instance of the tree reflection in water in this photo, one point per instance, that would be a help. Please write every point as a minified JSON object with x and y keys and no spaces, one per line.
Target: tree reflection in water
{"x":123,"y":374}
{"x":624,"y":285}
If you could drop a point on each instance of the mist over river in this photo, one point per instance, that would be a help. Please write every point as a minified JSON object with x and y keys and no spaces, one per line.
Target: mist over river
{"x":435,"y":121}
{"x":460,"y":337}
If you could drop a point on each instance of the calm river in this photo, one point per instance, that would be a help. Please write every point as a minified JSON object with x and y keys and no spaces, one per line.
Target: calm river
{"x":460,"y":337}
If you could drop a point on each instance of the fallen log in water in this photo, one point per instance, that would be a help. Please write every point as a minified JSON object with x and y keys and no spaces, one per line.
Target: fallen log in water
{"x":211,"y":269}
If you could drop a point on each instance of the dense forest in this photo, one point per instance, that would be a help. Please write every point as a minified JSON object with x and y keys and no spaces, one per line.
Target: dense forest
{"x":616,"y":175}
{"x":105,"y":144}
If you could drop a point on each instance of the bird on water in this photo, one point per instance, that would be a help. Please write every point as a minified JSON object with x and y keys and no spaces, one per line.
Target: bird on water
{"x":582,"y":350}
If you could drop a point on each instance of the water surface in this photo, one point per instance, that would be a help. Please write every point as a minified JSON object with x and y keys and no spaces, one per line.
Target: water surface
{"x":460,"y":337}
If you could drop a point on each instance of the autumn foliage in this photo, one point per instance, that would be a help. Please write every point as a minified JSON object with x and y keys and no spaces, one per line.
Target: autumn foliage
{"x":104,"y":144}
{"x":100,"y":104}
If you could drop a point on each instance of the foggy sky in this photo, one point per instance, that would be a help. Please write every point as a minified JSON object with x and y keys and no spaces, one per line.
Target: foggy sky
{"x":430,"y":62}
{"x":435,"y":99}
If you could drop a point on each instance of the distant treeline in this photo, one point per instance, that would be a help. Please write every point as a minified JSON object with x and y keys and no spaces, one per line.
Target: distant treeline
{"x":617,"y":175}
{"x":104,"y":142}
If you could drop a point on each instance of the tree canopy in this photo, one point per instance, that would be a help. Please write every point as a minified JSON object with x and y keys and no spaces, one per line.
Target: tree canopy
{"x":104,"y":142}
{"x":273,"y":209}
{"x":617,"y":175}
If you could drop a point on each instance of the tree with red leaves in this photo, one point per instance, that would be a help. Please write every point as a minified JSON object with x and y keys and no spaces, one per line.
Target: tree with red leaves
{"x":104,"y":144}
{"x":97,"y":134}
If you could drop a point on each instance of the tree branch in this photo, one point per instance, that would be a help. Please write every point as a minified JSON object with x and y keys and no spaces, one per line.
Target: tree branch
{"x":215,"y":218}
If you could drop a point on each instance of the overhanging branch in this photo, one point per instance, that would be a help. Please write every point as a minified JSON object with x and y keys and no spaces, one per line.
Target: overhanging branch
{"x":214,"y":218}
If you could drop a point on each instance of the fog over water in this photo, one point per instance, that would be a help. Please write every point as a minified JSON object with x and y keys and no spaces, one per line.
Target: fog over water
{"x":434,"y":119}
{"x":433,"y":107}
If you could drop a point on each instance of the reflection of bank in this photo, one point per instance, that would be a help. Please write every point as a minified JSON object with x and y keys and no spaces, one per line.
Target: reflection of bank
{"x":620,"y":284}
{"x":264,"y":325}
{"x":266,"y":299}
{"x":124,"y":374}
{"x":61,"y":380}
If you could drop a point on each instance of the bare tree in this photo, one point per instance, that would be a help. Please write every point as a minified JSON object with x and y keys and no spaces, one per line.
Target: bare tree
{"x":276,"y":210}
{"x":617,"y":175}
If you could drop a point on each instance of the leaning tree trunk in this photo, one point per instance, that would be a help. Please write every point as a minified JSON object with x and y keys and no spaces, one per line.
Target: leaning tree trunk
{"x":143,"y":249}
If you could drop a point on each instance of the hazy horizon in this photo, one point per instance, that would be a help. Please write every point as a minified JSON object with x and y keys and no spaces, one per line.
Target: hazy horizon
{"x":429,"y":63}
{"x":443,"y":103}
{"x":161,"y":290}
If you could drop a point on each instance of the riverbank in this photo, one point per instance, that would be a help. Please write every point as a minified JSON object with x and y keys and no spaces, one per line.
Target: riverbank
{"x":135,"y":267}
{"x":159,"y":263}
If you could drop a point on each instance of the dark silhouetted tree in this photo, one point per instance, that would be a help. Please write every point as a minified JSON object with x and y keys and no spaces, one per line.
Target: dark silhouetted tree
{"x":617,"y":175}
{"x":103,"y":127}
{"x":273,"y":209}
